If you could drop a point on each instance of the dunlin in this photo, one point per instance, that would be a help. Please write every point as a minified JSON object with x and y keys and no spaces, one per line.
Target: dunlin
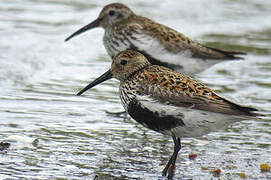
{"x":170,"y":102}
{"x":159,"y":43}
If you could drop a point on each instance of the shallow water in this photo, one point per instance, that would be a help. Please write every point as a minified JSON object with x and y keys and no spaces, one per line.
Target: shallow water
{"x":77,"y":139}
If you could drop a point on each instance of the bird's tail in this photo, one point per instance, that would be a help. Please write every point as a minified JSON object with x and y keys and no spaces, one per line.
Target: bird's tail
{"x":227,"y":53}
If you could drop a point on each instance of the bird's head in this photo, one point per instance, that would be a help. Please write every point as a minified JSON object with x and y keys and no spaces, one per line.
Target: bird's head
{"x":110,"y":15}
{"x":124,"y":64}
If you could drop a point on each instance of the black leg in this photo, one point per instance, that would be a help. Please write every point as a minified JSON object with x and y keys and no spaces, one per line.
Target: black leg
{"x":171,"y":163}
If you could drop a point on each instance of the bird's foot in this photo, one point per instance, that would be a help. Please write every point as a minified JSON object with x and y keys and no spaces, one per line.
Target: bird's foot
{"x":169,"y":170}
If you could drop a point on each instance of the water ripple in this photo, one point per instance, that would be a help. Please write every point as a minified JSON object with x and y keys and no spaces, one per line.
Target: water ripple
{"x":77,"y":138}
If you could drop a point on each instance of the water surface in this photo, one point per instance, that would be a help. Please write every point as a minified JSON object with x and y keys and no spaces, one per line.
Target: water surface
{"x":40,"y":75}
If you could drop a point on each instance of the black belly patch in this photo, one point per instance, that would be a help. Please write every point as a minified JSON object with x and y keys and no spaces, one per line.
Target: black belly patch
{"x":152,"y":119}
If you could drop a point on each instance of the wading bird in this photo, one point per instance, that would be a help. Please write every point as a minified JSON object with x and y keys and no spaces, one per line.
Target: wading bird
{"x":170,"y":102}
{"x":160,"y":44}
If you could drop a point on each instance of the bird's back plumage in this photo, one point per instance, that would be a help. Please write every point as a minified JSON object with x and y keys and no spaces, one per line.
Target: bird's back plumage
{"x":177,"y":89}
{"x":172,"y":40}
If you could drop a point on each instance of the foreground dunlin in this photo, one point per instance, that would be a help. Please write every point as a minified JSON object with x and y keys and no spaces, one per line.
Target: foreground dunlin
{"x":160,"y":44}
{"x":169,"y":102}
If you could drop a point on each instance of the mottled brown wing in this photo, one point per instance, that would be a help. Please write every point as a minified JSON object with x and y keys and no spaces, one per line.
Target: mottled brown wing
{"x":176,"y":42}
{"x":174,"y":88}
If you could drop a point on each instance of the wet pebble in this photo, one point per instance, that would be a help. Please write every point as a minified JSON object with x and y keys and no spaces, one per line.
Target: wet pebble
{"x":4,"y":145}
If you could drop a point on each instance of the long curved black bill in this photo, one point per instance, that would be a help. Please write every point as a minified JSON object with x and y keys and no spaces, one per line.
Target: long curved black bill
{"x":91,"y":25}
{"x":107,"y":75}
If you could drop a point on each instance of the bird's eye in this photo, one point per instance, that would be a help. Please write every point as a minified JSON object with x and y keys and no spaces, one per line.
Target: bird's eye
{"x":123,"y":62}
{"x":111,"y":13}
